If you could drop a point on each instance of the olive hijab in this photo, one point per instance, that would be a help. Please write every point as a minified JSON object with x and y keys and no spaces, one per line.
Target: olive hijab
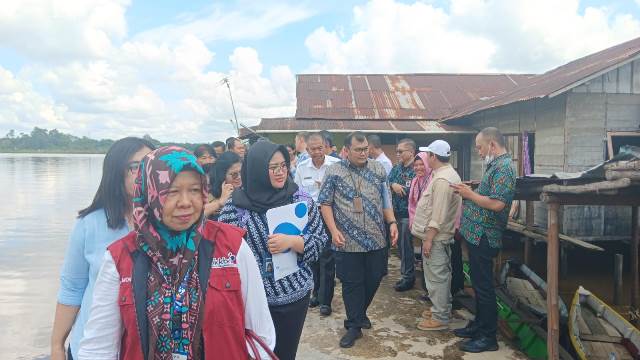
{"x":257,"y":193}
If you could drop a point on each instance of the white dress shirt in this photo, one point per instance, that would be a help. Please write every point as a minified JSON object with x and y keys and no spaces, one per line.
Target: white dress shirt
{"x":386,"y":163}
{"x":103,"y":331}
{"x":309,"y":177}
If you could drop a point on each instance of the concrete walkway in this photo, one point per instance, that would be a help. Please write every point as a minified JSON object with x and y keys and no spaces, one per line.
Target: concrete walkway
{"x":393,"y":335}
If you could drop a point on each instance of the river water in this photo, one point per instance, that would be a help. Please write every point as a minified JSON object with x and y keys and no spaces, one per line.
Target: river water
{"x":39,"y":198}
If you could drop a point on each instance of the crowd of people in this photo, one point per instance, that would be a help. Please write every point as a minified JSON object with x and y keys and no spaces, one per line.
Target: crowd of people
{"x":173,"y":259}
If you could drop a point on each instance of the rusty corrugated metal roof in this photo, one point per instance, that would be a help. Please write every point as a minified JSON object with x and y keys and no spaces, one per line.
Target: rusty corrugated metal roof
{"x":396,"y":97}
{"x":293,"y":125}
{"x":560,"y":79}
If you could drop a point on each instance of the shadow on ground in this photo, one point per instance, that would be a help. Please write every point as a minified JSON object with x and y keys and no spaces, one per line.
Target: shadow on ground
{"x":394,"y":334}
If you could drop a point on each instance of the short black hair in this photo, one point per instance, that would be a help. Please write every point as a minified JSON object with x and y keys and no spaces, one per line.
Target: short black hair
{"x":201,"y":149}
{"x":358,"y":135}
{"x":231,"y":142}
{"x":409,"y":142}
{"x":112,"y":194}
{"x":219,"y":144}
{"x":328,"y":138}
{"x":375,"y":141}
{"x":443,"y":159}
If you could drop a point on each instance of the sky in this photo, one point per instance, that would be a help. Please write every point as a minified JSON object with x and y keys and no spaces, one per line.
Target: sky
{"x":115,"y":68}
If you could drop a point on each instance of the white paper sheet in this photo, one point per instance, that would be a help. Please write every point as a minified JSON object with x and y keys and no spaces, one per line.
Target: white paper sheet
{"x":291,"y":220}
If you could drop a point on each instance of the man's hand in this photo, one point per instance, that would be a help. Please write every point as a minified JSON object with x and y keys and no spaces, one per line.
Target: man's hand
{"x":398,"y":189}
{"x":426,"y":248}
{"x":338,"y":239}
{"x":464,"y":190}
{"x":278,"y":243}
{"x":393,"y":232}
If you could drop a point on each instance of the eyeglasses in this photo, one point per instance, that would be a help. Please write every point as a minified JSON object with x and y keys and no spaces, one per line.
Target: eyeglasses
{"x":400,"y":151}
{"x":234,"y":175}
{"x":133,"y":166}
{"x":360,"y":150}
{"x":279,"y":168}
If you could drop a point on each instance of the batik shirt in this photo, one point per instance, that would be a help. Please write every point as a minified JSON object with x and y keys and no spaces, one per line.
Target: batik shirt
{"x":498,"y":182}
{"x":363,"y":231}
{"x":401,"y":175}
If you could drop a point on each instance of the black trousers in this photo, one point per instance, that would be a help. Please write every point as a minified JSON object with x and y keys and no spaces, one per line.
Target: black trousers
{"x":288,"y":321}
{"x":457,"y":274}
{"x":360,"y":275}
{"x":324,"y":276}
{"x":481,"y":264}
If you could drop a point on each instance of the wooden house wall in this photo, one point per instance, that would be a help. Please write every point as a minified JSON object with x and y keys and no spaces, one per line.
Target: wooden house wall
{"x":570,"y":136}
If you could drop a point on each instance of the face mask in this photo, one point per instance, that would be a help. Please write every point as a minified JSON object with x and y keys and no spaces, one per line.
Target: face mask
{"x":488,"y":159}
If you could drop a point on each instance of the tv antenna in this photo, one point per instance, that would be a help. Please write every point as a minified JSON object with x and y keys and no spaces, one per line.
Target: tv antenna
{"x":225,"y":80}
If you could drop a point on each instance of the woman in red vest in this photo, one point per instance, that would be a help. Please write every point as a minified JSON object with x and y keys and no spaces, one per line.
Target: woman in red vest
{"x":178,"y":286}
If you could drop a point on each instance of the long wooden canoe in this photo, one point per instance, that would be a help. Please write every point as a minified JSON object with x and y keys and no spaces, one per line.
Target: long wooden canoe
{"x":528,"y":290}
{"x":599,"y":332}
{"x":520,"y":324}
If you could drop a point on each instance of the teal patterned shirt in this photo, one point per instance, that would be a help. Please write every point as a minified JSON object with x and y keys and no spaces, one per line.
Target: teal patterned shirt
{"x":498,"y":182}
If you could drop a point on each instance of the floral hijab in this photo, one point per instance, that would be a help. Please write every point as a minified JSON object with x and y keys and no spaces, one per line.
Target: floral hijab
{"x":418,"y":185}
{"x":173,"y":287}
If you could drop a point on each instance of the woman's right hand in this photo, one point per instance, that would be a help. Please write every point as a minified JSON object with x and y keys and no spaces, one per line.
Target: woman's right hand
{"x":58,"y":352}
{"x":338,"y":239}
{"x":227,"y":189}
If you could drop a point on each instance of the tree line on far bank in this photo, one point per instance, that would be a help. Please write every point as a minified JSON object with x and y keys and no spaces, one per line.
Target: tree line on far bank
{"x":53,"y":141}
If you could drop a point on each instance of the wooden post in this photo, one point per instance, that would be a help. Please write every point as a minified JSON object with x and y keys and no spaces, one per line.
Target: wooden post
{"x":617,"y":279}
{"x":529,"y":222}
{"x":553,"y":323}
{"x":635,"y":249}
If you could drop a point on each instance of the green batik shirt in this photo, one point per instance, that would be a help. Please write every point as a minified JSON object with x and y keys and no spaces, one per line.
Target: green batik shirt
{"x":498,"y":182}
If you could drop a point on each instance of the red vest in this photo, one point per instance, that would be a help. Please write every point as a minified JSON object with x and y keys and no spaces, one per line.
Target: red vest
{"x":223,"y":330}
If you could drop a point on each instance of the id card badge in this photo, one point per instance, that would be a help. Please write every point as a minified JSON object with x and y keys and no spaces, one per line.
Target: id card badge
{"x":268,"y":267}
{"x":357,"y":204}
{"x":176,"y":356}
{"x":408,"y":183}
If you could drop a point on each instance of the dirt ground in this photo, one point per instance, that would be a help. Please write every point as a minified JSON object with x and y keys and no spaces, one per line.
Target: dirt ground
{"x":393,"y":334}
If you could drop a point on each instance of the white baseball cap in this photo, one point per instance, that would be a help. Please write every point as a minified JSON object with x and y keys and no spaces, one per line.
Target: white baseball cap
{"x":438,"y":147}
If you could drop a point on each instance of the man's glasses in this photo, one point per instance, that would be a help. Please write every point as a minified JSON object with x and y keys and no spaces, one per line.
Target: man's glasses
{"x":234,"y":175}
{"x":400,"y":151}
{"x":279,"y":168}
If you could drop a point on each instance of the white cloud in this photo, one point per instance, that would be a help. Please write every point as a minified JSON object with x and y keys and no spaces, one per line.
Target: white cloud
{"x":58,"y":30}
{"x":166,"y":91}
{"x":21,"y":107}
{"x":256,"y":21}
{"x":122,"y":86}
{"x":473,"y":36}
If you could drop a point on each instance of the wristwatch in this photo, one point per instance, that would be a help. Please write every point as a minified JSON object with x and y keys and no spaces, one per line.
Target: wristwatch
{"x":392,"y":222}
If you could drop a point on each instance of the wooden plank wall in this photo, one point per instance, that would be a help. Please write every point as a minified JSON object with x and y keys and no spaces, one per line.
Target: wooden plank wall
{"x":570,"y":134}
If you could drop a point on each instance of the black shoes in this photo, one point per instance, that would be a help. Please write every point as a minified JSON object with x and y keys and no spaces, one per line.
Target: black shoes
{"x":313,"y":302}
{"x":367,"y":323}
{"x":479,"y":344}
{"x":404,"y":285}
{"x":325,"y":310}
{"x":349,"y":339}
{"x":467,"y":332}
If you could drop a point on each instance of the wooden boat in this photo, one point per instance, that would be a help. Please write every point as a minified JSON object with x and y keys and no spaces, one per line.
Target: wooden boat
{"x":528,"y":290}
{"x":517,"y":320}
{"x":599,"y":332}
